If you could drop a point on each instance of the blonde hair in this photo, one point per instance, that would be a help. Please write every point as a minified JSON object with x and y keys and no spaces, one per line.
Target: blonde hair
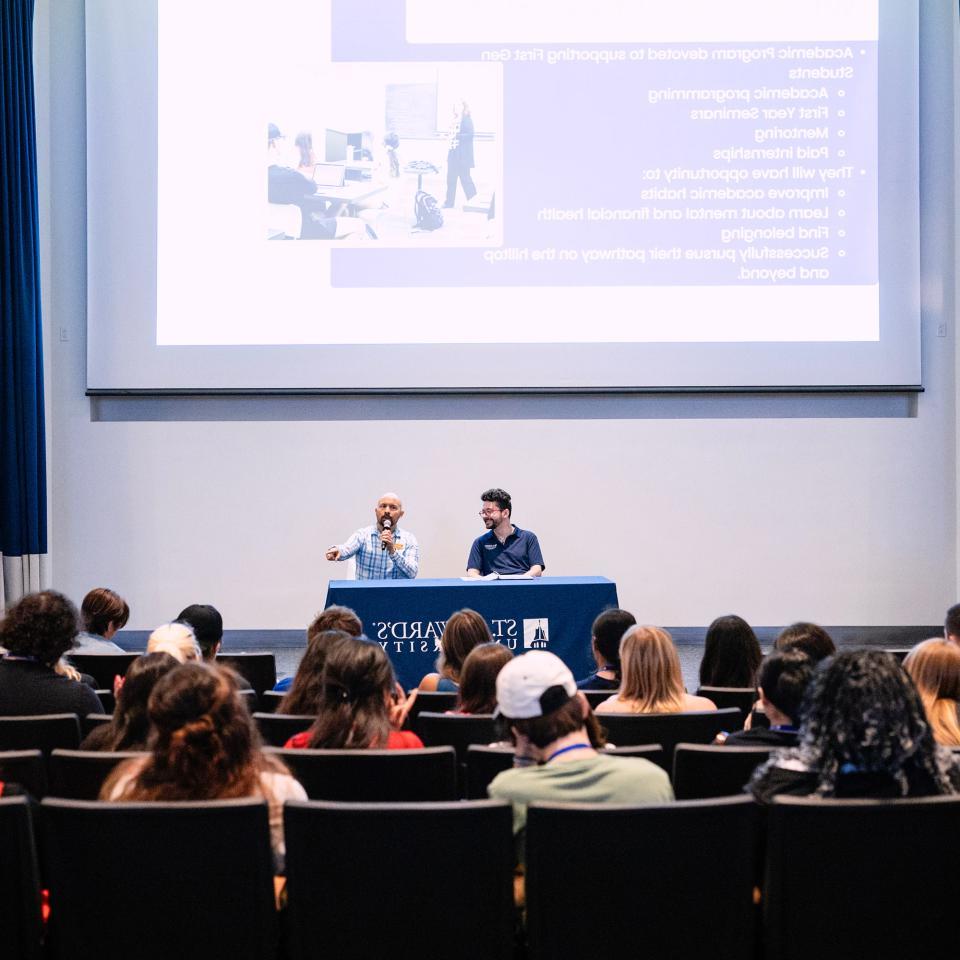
{"x":177,"y":639}
{"x":650,"y":669}
{"x":934,"y":667}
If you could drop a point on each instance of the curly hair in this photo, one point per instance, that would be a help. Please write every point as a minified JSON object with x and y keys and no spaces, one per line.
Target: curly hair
{"x":731,"y":654}
{"x":862,"y":714}
{"x":130,"y":726}
{"x":204,"y":745}
{"x":41,"y":625}
{"x":306,"y":691}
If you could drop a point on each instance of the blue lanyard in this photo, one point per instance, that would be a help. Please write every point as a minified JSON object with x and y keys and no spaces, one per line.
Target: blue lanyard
{"x":573,"y":746}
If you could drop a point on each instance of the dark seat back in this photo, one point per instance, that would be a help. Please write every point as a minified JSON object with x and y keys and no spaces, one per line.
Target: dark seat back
{"x":79,"y":774}
{"x":91,"y":721}
{"x":336,"y":856}
{"x":668,"y":729}
{"x":108,"y":700}
{"x":743,"y":698}
{"x":44,"y":732}
{"x":260,"y":669}
{"x":375,"y":776}
{"x":250,"y":698}
{"x":103,"y":667}
{"x":277,"y":728}
{"x":596,"y":697}
{"x":25,"y":768}
{"x":206,"y":867}
{"x":20,"y":921}
{"x":675,"y":880}
{"x":457,"y":730}
{"x":701,"y":771}
{"x":270,"y":700}
{"x":430,"y":701}
{"x":878,"y":876}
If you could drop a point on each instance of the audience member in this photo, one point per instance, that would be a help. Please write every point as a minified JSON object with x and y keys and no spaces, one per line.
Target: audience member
{"x":307,"y":158}
{"x":556,"y":759}
{"x":652,"y":679}
{"x":204,"y":747}
{"x":360,"y":704}
{"x":335,"y":617}
{"x":207,"y":626}
{"x":607,"y":632}
{"x":177,"y":639}
{"x":731,"y":654}
{"x":36,"y":632}
{"x":306,"y":693}
{"x":863,"y":734}
{"x":814,"y":641}
{"x":465,"y":630}
{"x":784,"y":678}
{"x":934,"y":667}
{"x":478,"y":678}
{"x":951,"y":625}
{"x":102,"y":614}
{"x":130,"y":726}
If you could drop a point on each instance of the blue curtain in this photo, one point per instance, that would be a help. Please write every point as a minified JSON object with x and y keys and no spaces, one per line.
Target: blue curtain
{"x":23,"y":495}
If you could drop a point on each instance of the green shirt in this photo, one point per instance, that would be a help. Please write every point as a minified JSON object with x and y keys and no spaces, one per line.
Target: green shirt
{"x":597,"y":778}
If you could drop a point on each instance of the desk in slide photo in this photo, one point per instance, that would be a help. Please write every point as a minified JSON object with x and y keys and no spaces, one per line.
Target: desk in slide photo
{"x":407,"y":616}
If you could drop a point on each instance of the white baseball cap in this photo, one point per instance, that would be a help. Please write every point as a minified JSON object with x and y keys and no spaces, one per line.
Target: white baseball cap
{"x":533,"y":685}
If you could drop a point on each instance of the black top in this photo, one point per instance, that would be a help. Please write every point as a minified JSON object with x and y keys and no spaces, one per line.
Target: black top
{"x":762,"y":737}
{"x":28,"y":688}
{"x":595,"y":682}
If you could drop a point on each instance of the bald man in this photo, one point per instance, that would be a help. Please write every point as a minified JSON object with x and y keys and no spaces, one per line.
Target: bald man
{"x":383,"y":550}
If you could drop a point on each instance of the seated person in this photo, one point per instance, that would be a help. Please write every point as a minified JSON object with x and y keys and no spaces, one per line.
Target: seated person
{"x":205,"y":747}
{"x":306,"y":693}
{"x":335,"y":617}
{"x":130,"y":725}
{"x":814,"y":641}
{"x":464,"y":630}
{"x":556,"y":759}
{"x":102,"y":614}
{"x":863,"y":734}
{"x":652,"y":679}
{"x":478,"y":678}
{"x":934,"y":667}
{"x":36,"y":631}
{"x":784,"y":678}
{"x":606,"y":633}
{"x":207,"y":625}
{"x":731,"y":654}
{"x":177,"y":639}
{"x":504,"y":549}
{"x":361,"y":705}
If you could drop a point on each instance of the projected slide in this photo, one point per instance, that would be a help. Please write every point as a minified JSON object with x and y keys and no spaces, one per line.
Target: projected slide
{"x":612,"y":172}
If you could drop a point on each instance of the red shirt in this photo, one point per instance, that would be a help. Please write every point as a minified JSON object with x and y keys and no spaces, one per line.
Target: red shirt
{"x":397,"y":740}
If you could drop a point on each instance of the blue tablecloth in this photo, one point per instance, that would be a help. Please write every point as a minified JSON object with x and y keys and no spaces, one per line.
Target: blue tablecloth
{"x":407,"y":616}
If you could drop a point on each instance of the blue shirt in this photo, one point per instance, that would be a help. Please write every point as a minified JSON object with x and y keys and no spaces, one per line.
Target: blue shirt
{"x":374,"y":563}
{"x":517,"y":554}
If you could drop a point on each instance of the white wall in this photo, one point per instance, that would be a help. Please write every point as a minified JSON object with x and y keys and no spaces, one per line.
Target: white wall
{"x":841,"y":510}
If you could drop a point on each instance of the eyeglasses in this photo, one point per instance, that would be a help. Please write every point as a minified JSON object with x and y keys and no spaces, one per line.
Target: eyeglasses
{"x":490,"y":512}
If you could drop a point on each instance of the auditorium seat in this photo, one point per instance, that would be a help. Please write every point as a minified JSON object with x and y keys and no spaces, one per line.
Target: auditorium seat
{"x":79,"y":774}
{"x":862,"y":878}
{"x":277,"y":728}
{"x":103,"y":667}
{"x":159,"y":880}
{"x":674,"y":880}
{"x":259,"y":669}
{"x":43,"y":732}
{"x":669,"y":729}
{"x":26,"y":768}
{"x":91,"y":721}
{"x":457,"y":730}
{"x":250,"y":698}
{"x":596,"y":697}
{"x":701,"y":771}
{"x":375,"y":776}
{"x":270,"y":700}
{"x":392,"y":880}
{"x":21,"y":927}
{"x":108,"y":700}
{"x":430,"y":701}
{"x":743,"y":698}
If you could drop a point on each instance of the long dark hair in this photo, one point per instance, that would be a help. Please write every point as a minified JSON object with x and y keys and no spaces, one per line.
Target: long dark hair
{"x":204,"y":744}
{"x":357,"y":682}
{"x":306,"y":691}
{"x":478,"y":678}
{"x":731,"y":654}
{"x":130,"y":725}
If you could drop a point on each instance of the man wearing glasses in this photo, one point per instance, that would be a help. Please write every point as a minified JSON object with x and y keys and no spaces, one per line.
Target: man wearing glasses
{"x":504,"y":549}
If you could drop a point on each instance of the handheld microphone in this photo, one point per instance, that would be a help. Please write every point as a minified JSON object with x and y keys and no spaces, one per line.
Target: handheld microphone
{"x":386,"y":526}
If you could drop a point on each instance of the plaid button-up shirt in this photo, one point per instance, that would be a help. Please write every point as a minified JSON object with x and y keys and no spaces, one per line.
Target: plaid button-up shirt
{"x":374,"y":563}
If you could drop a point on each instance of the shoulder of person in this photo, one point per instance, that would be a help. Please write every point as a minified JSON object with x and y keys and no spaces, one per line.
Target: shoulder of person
{"x":429,"y":682}
{"x":613,"y":704}
{"x":693,"y":702}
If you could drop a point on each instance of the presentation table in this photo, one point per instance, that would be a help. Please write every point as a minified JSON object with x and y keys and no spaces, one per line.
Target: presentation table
{"x":546,"y":613}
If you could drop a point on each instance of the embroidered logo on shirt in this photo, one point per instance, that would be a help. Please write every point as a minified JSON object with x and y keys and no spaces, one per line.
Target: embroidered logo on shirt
{"x":489,"y":546}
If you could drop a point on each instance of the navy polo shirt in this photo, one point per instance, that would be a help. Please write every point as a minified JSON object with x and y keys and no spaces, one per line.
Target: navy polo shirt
{"x":517,"y":554}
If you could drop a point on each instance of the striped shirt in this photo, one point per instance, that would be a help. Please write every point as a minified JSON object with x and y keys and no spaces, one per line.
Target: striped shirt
{"x":374,"y":563}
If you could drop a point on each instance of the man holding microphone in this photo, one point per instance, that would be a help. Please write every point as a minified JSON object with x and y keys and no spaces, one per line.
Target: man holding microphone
{"x":384,"y":551}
